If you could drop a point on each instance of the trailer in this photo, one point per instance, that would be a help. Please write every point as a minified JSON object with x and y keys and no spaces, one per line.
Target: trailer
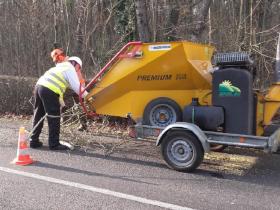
{"x":188,"y":99}
{"x":183,"y":144}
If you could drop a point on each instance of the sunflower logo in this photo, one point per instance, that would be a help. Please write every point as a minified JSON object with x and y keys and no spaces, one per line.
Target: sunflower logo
{"x":227,"y":89}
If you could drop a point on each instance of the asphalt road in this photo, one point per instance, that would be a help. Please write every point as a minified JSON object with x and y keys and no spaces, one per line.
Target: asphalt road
{"x":133,"y":177}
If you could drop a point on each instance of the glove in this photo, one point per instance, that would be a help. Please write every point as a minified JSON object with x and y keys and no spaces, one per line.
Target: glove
{"x":61,"y":102}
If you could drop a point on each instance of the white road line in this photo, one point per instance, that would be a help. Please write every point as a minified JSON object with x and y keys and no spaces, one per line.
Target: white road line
{"x":96,"y":189}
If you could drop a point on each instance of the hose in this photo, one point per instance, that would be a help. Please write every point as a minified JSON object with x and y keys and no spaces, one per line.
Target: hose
{"x":46,"y":115}
{"x":71,"y":147}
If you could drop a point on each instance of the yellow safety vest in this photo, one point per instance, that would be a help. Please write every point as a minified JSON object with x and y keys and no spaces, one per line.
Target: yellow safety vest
{"x":53,"y":79}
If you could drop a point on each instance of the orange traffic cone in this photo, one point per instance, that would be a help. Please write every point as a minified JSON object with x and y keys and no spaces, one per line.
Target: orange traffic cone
{"x":23,"y":157}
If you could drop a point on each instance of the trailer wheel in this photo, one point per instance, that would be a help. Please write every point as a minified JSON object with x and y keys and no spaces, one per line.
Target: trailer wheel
{"x":162,"y":112}
{"x":182,"y":151}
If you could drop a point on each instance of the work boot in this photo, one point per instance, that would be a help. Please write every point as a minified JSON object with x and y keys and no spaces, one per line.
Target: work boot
{"x":59,"y":147}
{"x":35,"y":144}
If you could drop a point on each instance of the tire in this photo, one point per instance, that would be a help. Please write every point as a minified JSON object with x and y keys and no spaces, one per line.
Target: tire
{"x":162,"y":112}
{"x":217,"y":147}
{"x":182,"y":151}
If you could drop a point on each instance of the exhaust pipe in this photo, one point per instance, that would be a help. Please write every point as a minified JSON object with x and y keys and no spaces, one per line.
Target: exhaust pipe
{"x":277,"y":64}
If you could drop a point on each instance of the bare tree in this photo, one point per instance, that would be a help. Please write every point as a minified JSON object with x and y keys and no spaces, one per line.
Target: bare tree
{"x":142,"y":20}
{"x":96,"y":29}
{"x":199,"y":11}
{"x":172,"y":21}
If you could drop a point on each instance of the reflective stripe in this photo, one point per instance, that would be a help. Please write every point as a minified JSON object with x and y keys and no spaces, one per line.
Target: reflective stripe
{"x":23,"y":151}
{"x":55,"y":84}
{"x":54,"y":79}
{"x":51,"y":87}
{"x":58,"y":78}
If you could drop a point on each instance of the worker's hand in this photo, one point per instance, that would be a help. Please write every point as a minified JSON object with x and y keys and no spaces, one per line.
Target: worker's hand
{"x":62,"y":103}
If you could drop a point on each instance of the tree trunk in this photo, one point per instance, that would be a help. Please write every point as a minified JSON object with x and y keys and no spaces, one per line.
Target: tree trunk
{"x":142,"y":20}
{"x":200,"y":14}
{"x":173,"y":21}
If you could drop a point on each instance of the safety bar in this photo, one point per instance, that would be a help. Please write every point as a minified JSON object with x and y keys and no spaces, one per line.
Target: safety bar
{"x":99,"y":74}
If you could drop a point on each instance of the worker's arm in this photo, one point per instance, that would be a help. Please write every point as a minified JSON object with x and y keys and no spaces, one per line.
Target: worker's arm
{"x":71,"y":77}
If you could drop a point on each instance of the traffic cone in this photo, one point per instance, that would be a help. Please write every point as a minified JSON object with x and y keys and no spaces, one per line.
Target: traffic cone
{"x":23,"y":157}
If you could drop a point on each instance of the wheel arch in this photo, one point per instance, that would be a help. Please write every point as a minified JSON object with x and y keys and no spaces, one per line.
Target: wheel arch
{"x":194,"y":129}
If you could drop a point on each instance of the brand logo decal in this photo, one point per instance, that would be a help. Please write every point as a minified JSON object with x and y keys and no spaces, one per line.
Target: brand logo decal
{"x":227,"y":89}
{"x":159,"y":47}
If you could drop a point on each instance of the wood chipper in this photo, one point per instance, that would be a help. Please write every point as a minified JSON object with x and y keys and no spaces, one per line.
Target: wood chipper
{"x":152,"y":82}
{"x":174,"y":84}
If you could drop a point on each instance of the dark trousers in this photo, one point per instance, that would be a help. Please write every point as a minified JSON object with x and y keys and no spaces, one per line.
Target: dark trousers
{"x":46,"y":101}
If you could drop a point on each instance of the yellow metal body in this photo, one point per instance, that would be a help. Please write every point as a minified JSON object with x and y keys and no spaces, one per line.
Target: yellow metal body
{"x":271,"y":103}
{"x":259,"y":114}
{"x":267,"y":106}
{"x":176,"y":70}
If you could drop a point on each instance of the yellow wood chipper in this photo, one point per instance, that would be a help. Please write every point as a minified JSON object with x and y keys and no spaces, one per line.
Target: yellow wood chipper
{"x":151,"y":83}
{"x":173,"y":91}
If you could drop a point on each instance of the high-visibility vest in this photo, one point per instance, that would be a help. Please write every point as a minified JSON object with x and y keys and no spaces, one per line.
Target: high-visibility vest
{"x":53,"y":79}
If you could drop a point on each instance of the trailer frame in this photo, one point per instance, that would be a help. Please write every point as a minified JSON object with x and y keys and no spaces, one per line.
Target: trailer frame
{"x":174,"y":154}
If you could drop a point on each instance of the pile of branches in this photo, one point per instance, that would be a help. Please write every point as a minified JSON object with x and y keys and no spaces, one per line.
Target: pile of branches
{"x":88,"y":133}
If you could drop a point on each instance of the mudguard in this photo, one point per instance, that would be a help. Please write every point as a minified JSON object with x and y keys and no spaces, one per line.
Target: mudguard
{"x":188,"y":127}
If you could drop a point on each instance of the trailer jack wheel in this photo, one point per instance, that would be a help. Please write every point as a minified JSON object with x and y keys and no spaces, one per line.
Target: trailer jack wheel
{"x":182,"y":151}
{"x":162,"y":112}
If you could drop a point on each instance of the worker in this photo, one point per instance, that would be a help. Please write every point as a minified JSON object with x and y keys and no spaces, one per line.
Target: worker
{"x":58,"y":55}
{"x":49,"y":92}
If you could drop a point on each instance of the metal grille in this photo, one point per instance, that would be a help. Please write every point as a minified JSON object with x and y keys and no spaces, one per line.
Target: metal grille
{"x":232,"y":58}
